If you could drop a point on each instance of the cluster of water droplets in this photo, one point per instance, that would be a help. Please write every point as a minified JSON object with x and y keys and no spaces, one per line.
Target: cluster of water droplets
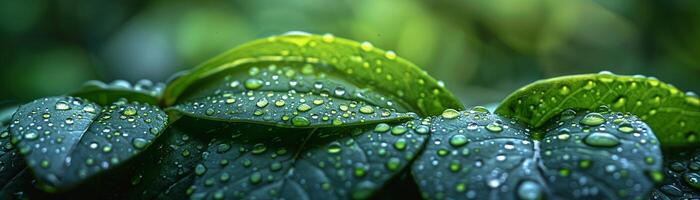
{"x":321,"y":164}
{"x":66,"y":139}
{"x":291,"y":97}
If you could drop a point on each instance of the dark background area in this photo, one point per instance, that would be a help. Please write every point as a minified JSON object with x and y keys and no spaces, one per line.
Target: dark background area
{"x":482,"y":50}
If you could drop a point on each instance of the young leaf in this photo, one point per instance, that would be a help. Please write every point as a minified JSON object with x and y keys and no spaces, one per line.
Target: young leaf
{"x":283,"y":96}
{"x":66,"y":140}
{"x":475,"y":154}
{"x":143,"y":91}
{"x":361,"y":66}
{"x":671,"y":113}
{"x":320,"y":163}
{"x":682,"y":177}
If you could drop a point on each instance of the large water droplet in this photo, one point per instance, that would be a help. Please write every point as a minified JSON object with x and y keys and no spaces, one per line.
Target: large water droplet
{"x":450,"y":113}
{"x":393,"y":163}
{"x":253,"y":84}
{"x":129,"y":111}
{"x":692,"y":179}
{"x":334,"y":148}
{"x":458,"y":140}
{"x":62,"y":106}
{"x":300,"y":121}
{"x":601,"y":139}
{"x":593,"y":119}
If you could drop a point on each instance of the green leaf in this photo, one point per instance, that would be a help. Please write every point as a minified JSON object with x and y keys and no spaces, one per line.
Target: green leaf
{"x":167,"y":171}
{"x":103,"y":94}
{"x":475,"y":154}
{"x":322,"y":163}
{"x":66,"y":140}
{"x":285,"y":97}
{"x":11,"y":164}
{"x":359,"y":67}
{"x":671,"y":113}
{"x":682,"y":177}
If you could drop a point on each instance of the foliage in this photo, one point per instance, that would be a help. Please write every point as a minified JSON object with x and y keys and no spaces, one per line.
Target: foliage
{"x":301,"y":116}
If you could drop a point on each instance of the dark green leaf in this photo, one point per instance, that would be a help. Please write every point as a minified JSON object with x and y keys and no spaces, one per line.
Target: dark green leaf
{"x":10,"y":161}
{"x":167,"y":171}
{"x":283,"y":96}
{"x":103,"y":94}
{"x":254,"y":162}
{"x":671,"y":113}
{"x":682,"y":177}
{"x":475,"y":154}
{"x":66,"y":140}
{"x":359,"y":67}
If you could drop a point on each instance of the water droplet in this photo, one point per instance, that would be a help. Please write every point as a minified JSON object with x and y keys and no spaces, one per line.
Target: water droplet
{"x":31,"y":135}
{"x":400,"y":144}
{"x":382,"y":127}
{"x":253,"y":84}
{"x":200,"y":169}
{"x":303,"y":107}
{"x":393,"y":163}
{"x":366,"y":46}
{"x":593,"y":119}
{"x":625,"y":128}
{"x":62,"y":106}
{"x":255,"y":178}
{"x":89,"y":109}
{"x":339,"y":91}
{"x":259,"y":148}
{"x":567,"y":115}
{"x":472,"y":126}
{"x":529,"y":190}
{"x":222,"y":148}
{"x":334,"y":148}
{"x":480,"y":109}
{"x":279,"y":103}
{"x":692,"y":179}
{"x":261,"y":103}
{"x":328,"y":38}
{"x":458,"y":140}
{"x":367,"y":109}
{"x":129,"y":111}
{"x":209,"y":111}
{"x":601,"y":139}
{"x":450,"y":113}
{"x":300,"y":121}
{"x":139,"y":143}
{"x":494,"y":127}
{"x":391,"y":55}
{"x":398,"y":130}
{"x":46,"y":115}
{"x":564,"y":90}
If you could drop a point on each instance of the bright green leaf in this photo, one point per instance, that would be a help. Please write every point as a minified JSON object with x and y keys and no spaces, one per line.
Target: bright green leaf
{"x":66,"y":140}
{"x":671,"y":113}
{"x":475,"y":154}
{"x":321,"y":163}
{"x":360,"y":67}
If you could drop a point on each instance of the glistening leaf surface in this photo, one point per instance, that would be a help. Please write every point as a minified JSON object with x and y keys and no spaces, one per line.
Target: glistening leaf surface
{"x":322,"y":163}
{"x":287,"y":97}
{"x":671,"y":113}
{"x":359,"y":64}
{"x":66,"y":140}
{"x":477,"y":155}
{"x":682,"y":176}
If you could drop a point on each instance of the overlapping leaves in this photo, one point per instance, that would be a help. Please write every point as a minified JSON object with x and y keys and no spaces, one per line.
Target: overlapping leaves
{"x":477,"y":155}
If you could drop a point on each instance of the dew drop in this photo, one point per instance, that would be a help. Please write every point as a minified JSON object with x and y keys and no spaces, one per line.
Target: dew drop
{"x":366,"y":46}
{"x":458,"y":140}
{"x":253,"y":84}
{"x":391,"y":55}
{"x":393,"y":163}
{"x":593,"y":119}
{"x":129,"y":111}
{"x":139,"y":143}
{"x":601,"y":139}
{"x":300,"y":121}
{"x":382,"y":127}
{"x":334,"y":148}
{"x":367,"y":109}
{"x":450,"y":113}
{"x":62,"y":106}
{"x":529,"y":190}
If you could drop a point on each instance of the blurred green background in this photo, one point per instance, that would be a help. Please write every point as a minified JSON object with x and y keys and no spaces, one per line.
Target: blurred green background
{"x":482,"y":50}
